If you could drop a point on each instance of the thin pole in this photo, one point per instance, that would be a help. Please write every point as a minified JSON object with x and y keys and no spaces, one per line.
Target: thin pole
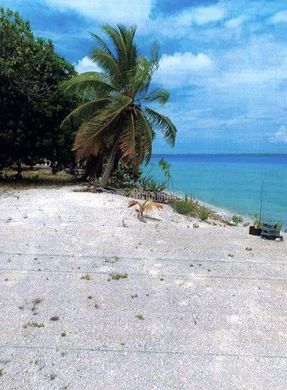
{"x":261,"y":201}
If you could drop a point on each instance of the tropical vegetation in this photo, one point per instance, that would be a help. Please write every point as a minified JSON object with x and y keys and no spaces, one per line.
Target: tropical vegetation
{"x":32,"y":103}
{"x":190,"y":206}
{"x":117,"y":120}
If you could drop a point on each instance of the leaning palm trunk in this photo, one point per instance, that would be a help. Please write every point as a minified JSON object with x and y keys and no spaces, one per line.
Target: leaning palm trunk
{"x":109,"y":166}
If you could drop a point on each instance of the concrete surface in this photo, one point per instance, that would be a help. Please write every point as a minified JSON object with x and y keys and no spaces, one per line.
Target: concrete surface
{"x":92,"y":298}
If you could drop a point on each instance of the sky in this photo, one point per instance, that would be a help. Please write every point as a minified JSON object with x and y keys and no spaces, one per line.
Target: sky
{"x":224,"y":63}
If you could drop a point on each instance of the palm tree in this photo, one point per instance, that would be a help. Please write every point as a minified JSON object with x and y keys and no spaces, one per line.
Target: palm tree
{"x":115,"y":117}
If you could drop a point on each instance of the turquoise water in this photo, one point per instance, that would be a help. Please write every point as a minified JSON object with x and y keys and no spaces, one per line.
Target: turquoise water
{"x":233,"y":182}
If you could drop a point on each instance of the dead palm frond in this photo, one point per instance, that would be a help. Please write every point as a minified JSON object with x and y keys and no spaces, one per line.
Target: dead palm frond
{"x":145,"y":207}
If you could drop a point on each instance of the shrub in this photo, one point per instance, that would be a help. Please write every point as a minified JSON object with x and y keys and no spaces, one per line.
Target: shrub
{"x":185,"y":206}
{"x":237,"y":219}
{"x":256,"y":221}
{"x":126,"y":174}
{"x":148,"y":183}
{"x":203,"y":213}
{"x":190,"y":206}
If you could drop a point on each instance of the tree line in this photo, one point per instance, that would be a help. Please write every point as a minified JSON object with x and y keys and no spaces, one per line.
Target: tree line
{"x":49,"y":112}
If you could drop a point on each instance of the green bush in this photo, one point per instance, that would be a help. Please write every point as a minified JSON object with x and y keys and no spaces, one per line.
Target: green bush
{"x":148,"y":183}
{"x":190,"y":206}
{"x":203,"y":213}
{"x":237,"y":219}
{"x":126,"y":174}
{"x":185,"y":206}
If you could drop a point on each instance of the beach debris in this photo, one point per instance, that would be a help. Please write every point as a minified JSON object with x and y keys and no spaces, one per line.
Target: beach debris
{"x":54,"y":318}
{"x":271,"y":232}
{"x":124,"y":224}
{"x":113,"y":260}
{"x":140,"y":317}
{"x":144,"y":208}
{"x":35,"y":303}
{"x":248,"y":249}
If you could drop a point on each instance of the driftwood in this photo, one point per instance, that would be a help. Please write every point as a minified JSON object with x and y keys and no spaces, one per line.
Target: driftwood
{"x":158,"y":197}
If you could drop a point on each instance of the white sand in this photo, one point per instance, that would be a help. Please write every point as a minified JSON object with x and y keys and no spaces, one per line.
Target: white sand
{"x":196,"y":306}
{"x":103,"y":224}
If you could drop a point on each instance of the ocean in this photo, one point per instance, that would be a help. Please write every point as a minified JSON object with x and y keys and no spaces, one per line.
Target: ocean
{"x":238,"y":183}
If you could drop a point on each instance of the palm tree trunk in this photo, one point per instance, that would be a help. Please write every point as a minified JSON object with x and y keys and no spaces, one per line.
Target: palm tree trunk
{"x":110,"y":164}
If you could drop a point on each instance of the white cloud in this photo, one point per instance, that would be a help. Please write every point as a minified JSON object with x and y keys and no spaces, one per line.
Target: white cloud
{"x":198,"y":16}
{"x":280,"y":137}
{"x":235,"y":22}
{"x":280,"y":17}
{"x":249,"y":65}
{"x":86,"y":65}
{"x":204,"y":15}
{"x":179,"y":69}
{"x":111,"y":11}
{"x":180,"y":25}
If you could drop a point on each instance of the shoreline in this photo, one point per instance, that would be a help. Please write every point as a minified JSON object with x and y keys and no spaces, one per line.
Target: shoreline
{"x":225,"y":213}
{"x":221,"y":211}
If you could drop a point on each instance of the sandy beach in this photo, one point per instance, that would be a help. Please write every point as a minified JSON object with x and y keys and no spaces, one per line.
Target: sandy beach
{"x":90,"y":292}
{"x":102,"y":224}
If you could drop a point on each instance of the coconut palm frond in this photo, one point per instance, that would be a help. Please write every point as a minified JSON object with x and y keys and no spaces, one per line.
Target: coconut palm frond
{"x":159,"y":95}
{"x":87,"y":82}
{"x":133,"y":203}
{"x":102,"y":124}
{"x":144,"y":140}
{"x":143,"y":75}
{"x":123,"y":41}
{"x":149,"y":206}
{"x":109,"y":66}
{"x":145,"y":207}
{"x":162,"y":123}
{"x":128,"y":136}
{"x":84,"y":113}
{"x":102,"y":44}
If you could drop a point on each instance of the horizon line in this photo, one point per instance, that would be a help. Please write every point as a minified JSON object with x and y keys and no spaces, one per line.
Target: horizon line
{"x":223,"y":154}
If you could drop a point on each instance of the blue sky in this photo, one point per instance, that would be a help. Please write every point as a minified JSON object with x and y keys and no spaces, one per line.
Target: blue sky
{"x":224,"y":62}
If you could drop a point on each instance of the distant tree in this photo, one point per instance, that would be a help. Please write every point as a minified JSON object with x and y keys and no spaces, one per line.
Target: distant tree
{"x":116,"y":121}
{"x":32,"y":104}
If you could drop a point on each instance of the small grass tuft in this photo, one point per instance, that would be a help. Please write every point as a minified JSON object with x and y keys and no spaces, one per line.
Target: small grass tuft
{"x":118,"y":276}
{"x":185,"y":206}
{"x":203,"y":213}
{"x":86,"y":277}
{"x":190,"y":206}
{"x":33,"y":325}
{"x":237,"y":219}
